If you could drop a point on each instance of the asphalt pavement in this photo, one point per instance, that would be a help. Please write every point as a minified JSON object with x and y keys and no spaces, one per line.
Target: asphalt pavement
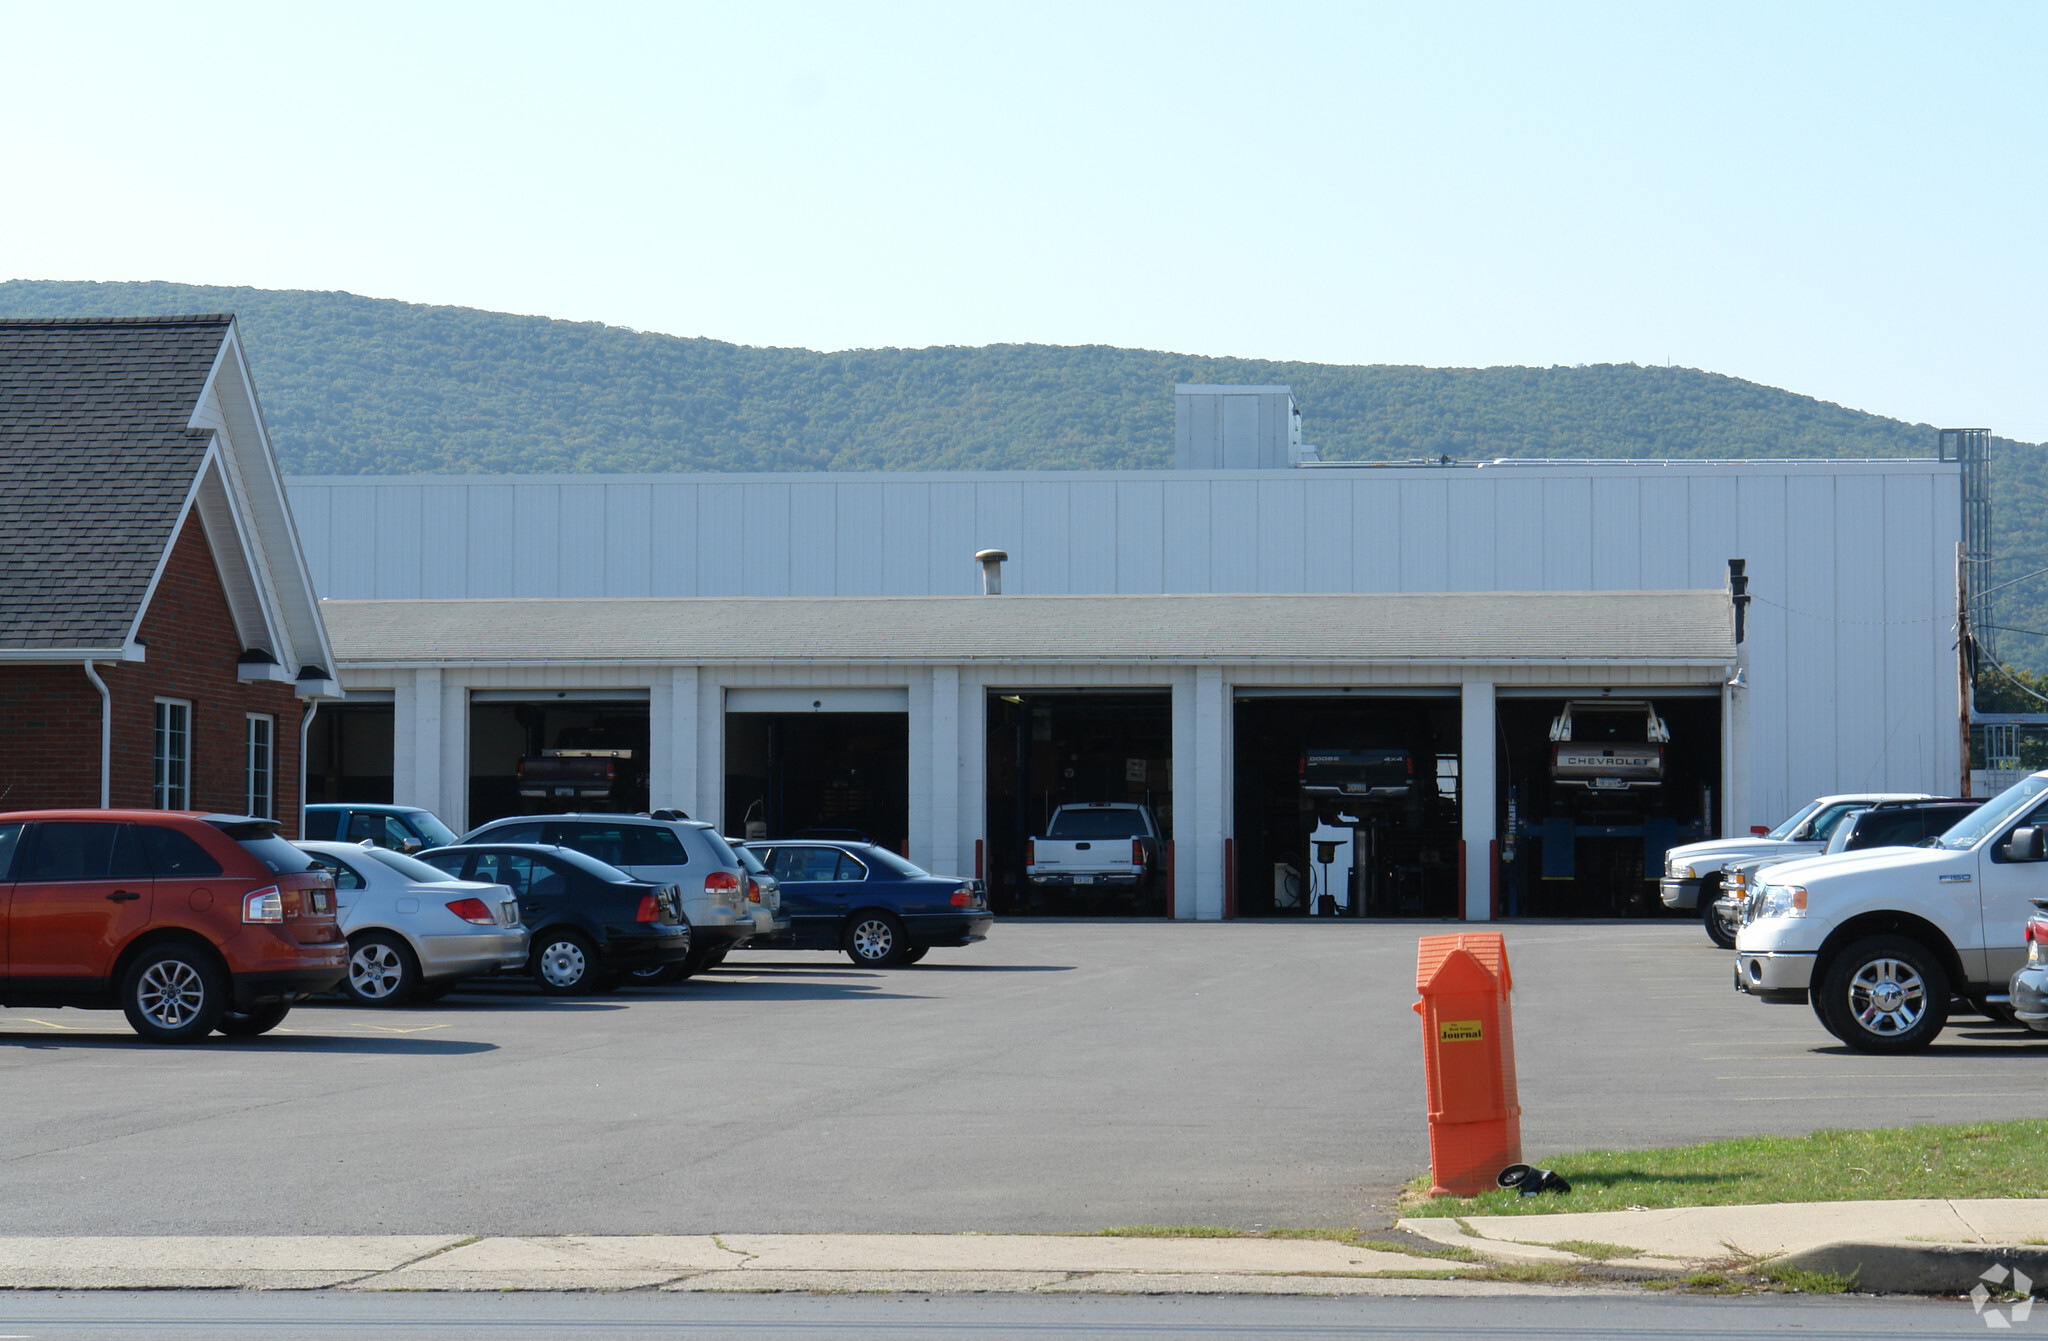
{"x":1063,"y":1076}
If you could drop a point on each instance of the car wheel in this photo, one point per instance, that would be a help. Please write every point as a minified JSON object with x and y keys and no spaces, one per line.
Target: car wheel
{"x":875,"y":940}
{"x":1718,"y":930}
{"x":382,"y":970}
{"x":1886,"y":994}
{"x":250,"y":1023}
{"x":564,"y":962}
{"x":174,"y":993}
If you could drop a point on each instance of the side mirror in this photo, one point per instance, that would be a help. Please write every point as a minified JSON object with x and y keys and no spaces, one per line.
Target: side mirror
{"x":2027,"y":844}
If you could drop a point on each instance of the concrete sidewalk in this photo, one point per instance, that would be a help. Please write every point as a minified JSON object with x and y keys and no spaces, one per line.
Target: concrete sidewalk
{"x":1888,"y":1246}
{"x":952,"y":1263}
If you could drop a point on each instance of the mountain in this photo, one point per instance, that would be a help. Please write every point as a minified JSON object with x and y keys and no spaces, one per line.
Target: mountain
{"x":356,"y":385}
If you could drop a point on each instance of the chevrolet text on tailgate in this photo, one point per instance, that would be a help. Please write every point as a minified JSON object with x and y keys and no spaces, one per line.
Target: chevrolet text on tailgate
{"x":1608,"y":745}
{"x":1877,"y":942}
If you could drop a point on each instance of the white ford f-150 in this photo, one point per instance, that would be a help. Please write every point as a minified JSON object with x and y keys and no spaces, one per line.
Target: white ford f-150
{"x":1877,"y":942}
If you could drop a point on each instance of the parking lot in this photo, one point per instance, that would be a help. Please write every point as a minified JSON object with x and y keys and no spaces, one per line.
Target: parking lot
{"x":1062,"y":1076}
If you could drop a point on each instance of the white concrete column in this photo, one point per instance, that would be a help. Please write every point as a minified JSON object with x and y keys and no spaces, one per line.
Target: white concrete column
{"x":1737,"y":814}
{"x":920,"y":779}
{"x":944,"y":852}
{"x":973,"y":770}
{"x":454,"y":789}
{"x":673,"y":737}
{"x":417,"y":741}
{"x":1201,"y":791}
{"x":710,"y":807}
{"x":1478,"y":823}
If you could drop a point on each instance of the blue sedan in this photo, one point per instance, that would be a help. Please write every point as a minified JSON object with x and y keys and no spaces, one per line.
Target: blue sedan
{"x":877,"y":907}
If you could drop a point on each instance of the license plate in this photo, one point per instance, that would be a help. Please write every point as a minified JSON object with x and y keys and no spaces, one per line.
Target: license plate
{"x":319,"y":900}
{"x":1084,"y":879}
{"x":1609,"y":784}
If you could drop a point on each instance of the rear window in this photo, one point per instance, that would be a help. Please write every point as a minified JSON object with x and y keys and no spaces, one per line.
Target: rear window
{"x":653,"y":845}
{"x":412,"y":868}
{"x":889,"y":861}
{"x":430,"y":827}
{"x":10,"y":839}
{"x":507,"y":833}
{"x":584,"y":861}
{"x":261,"y":842}
{"x":1889,"y":830}
{"x":1096,"y":824}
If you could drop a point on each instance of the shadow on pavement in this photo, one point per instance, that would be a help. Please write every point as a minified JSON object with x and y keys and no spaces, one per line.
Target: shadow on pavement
{"x":351,"y":1044}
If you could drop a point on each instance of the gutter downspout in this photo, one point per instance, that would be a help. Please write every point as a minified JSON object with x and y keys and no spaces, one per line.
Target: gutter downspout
{"x":106,"y":736}
{"x":305,"y":729}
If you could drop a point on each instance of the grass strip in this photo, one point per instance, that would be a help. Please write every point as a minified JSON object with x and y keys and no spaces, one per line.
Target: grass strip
{"x":1978,"y":1159}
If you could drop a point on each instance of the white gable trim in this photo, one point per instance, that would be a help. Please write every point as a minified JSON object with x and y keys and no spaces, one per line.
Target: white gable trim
{"x":163,"y":560}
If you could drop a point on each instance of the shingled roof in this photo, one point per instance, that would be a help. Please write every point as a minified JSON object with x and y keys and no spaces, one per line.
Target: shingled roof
{"x":96,"y":461}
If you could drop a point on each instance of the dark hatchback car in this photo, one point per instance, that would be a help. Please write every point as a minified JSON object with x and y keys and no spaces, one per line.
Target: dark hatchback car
{"x":876,"y":906}
{"x":590,"y":923}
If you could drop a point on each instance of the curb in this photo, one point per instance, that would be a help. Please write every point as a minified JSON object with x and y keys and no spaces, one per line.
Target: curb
{"x":1916,"y":1268}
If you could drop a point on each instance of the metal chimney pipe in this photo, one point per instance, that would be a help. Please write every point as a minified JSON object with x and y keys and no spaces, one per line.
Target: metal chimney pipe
{"x":991,"y":561}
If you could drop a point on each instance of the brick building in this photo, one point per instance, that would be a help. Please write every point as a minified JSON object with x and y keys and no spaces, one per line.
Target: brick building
{"x":160,"y":641}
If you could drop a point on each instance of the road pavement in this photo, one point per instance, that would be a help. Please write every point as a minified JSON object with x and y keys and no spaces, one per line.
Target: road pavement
{"x":1063,"y":1076}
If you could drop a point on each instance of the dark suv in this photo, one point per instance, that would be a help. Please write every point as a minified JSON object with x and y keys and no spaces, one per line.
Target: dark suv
{"x":187,"y":922}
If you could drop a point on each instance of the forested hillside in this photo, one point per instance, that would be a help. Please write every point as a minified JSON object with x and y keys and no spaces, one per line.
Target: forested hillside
{"x":355,"y":385}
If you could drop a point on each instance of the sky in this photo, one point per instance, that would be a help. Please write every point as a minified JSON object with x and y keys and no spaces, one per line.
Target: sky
{"x":1844,"y":200}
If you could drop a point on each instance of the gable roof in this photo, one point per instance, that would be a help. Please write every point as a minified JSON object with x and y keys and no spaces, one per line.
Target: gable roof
{"x":113,"y":431}
{"x":96,"y":461}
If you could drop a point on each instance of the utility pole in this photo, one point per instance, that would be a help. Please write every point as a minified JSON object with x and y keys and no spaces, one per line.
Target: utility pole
{"x":1963,"y":663}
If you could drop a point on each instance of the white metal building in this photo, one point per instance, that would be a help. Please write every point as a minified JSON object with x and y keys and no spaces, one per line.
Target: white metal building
{"x":1848,"y":675}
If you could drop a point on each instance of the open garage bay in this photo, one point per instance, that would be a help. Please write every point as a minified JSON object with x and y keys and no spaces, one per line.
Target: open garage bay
{"x":1060,"y":1077}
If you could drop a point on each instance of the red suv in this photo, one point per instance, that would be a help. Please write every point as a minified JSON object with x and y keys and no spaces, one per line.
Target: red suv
{"x":187,"y":922}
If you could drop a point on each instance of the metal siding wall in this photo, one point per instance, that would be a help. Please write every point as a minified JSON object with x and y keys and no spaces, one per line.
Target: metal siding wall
{"x":536,"y":553}
{"x":1375,"y":537}
{"x":1187,"y":535}
{"x":1469,"y":560}
{"x":397,"y":554}
{"x":764,"y":539}
{"x":1567,"y":519}
{"x":906,"y":538}
{"x":952,"y":535}
{"x":719,"y":522}
{"x":1912,"y":707}
{"x":1327,"y":541}
{"x":858,"y":531}
{"x":1617,"y":533}
{"x":1046,"y":569}
{"x":1425,"y":534}
{"x":1283,"y":533}
{"x":1860,"y":724}
{"x":628,"y":541}
{"x":813,"y":538}
{"x":581,"y":540}
{"x":1761,"y":538}
{"x":1140,"y":542}
{"x":672,"y":542}
{"x":1233,"y":540}
{"x":1519,"y":533}
{"x":1810,"y":637}
{"x":444,"y":542}
{"x":310,"y":515}
{"x":1663,"y":553}
{"x":1091,"y":539}
{"x":493,"y":533}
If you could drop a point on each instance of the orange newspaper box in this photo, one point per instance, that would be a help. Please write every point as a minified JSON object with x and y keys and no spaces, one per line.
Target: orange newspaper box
{"x":1468,"y":1051}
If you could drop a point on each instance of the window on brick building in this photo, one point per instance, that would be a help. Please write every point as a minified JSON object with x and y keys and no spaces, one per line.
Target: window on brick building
{"x":172,"y":754}
{"x":259,"y":765}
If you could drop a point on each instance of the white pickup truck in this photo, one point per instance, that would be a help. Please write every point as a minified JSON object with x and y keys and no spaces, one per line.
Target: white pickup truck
{"x":1878,"y":942}
{"x":1114,"y":843}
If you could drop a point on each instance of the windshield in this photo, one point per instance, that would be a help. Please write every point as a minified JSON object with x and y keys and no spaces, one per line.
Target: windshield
{"x":412,"y":868}
{"x":601,"y":870}
{"x":1096,"y":824}
{"x":1784,"y":832}
{"x":431,"y":829}
{"x":1995,"y":814}
{"x":1823,"y":826}
{"x":889,"y":861}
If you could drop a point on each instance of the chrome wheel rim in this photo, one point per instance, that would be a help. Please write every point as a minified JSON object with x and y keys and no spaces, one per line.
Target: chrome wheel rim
{"x":171,"y":994}
{"x":873,"y":939}
{"x":1887,"y":997}
{"x":375,"y":970}
{"x":563,"y":964}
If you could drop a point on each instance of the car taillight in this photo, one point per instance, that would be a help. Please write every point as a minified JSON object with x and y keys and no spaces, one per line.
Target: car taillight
{"x":650,"y":909}
{"x":473,"y":910}
{"x":2037,"y":943}
{"x":963,"y":897}
{"x":723,"y":887}
{"x":1031,"y":852}
{"x":265,"y":905}
{"x":1304,"y":765}
{"x":1137,"y":852}
{"x":753,"y":890}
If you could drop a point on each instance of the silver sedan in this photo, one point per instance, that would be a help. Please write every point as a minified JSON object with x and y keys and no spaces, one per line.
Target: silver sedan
{"x":414,"y":931}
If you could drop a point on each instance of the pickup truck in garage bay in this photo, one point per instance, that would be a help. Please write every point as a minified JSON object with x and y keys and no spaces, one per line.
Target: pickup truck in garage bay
{"x":1112,"y":843}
